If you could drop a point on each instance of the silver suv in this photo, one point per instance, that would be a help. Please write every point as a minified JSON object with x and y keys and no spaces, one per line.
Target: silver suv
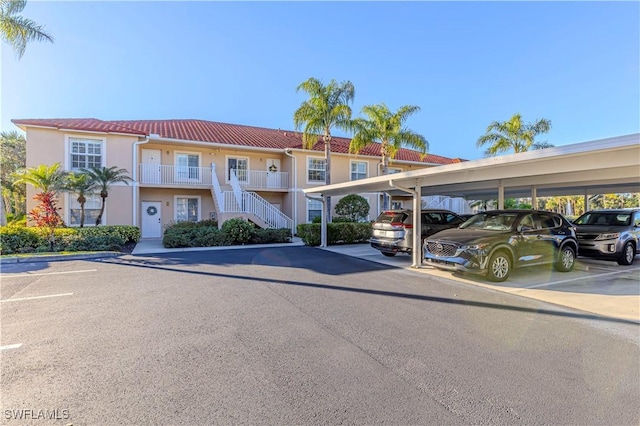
{"x":392,"y":231}
{"x":609,"y":234}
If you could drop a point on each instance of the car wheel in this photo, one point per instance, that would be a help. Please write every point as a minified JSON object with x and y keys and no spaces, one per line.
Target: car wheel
{"x":388,"y":253}
{"x":566,"y":259}
{"x":499,"y":266}
{"x":628,"y":254}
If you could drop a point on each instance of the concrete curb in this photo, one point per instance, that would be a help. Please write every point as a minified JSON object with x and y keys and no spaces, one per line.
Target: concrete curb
{"x":57,"y":257}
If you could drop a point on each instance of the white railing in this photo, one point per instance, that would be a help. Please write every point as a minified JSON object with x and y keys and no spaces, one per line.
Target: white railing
{"x":250,"y":202}
{"x":216,"y":190}
{"x":175,"y":175}
{"x":258,"y":179}
{"x":184,"y":175}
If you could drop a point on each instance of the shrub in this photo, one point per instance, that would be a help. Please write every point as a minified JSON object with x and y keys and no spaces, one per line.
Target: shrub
{"x":352,"y":207}
{"x":129,"y":234}
{"x":337,"y":233}
{"x":16,"y":239}
{"x":238,"y":230}
{"x":266,"y":236}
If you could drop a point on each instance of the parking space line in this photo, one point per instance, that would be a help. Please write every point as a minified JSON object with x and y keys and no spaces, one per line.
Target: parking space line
{"x":6,"y":347}
{"x":47,"y":273}
{"x":36,"y":297}
{"x":583,"y":278}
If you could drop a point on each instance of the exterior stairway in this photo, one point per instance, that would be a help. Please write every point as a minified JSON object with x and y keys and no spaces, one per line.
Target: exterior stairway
{"x":246,"y":204}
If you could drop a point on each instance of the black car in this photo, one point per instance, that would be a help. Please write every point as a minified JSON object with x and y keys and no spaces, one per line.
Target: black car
{"x":611,"y":234}
{"x":495,"y":242}
{"x":392,"y":231}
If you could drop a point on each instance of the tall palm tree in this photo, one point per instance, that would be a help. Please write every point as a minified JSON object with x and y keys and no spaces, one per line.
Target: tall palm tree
{"x":387,"y":128}
{"x":17,"y":30}
{"x":514,"y":135}
{"x":80,"y":184}
{"x":103,"y":178}
{"x":327,"y":107}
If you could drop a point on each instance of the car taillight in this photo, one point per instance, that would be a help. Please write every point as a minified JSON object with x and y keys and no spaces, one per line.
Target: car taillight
{"x":407,"y":226}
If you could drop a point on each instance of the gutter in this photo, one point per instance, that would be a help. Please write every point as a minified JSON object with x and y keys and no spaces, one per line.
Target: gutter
{"x":136,"y":185}
{"x":417,"y":234}
{"x":288,"y":153}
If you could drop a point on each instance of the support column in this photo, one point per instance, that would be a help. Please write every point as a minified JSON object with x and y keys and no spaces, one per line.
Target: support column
{"x":534,"y":197}
{"x":500,"y":196}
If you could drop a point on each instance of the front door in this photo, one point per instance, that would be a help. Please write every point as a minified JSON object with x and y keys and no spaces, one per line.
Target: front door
{"x":273,"y":173}
{"x":151,"y":219}
{"x":150,"y":168}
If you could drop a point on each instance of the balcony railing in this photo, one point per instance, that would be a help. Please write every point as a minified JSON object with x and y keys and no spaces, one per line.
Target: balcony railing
{"x":161,"y":174}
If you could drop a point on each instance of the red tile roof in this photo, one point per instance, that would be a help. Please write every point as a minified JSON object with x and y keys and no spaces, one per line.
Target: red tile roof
{"x":222,"y":133}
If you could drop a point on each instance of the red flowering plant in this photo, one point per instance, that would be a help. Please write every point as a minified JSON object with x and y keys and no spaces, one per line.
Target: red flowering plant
{"x":46,"y":216}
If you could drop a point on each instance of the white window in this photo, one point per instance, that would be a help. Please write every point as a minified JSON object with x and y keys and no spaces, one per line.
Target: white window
{"x":316,"y":169}
{"x":314,"y":209}
{"x":187,"y":209}
{"x":91,"y":209}
{"x":358,"y":170}
{"x":396,"y":205}
{"x":240,"y":166}
{"x":85,"y":153}
{"x":187,"y":167}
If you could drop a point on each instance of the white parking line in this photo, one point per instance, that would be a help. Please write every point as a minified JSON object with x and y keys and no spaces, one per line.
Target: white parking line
{"x":583,"y":278}
{"x":36,"y":297}
{"x":16,"y":346}
{"x":47,"y":273}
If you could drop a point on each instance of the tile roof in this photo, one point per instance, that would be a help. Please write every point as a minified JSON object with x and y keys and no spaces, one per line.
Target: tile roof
{"x":222,"y":133}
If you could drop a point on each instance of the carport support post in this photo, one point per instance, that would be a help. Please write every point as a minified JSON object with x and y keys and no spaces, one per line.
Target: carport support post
{"x":323,"y":219}
{"x":534,"y":197}
{"x":416,"y":251}
{"x":500,"y":196}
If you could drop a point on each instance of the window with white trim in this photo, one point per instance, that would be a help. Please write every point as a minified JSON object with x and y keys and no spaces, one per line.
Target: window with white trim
{"x":358,"y":170}
{"x":85,"y":153}
{"x":314,"y":209}
{"x":241,"y":167}
{"x":316,"y":169}
{"x":187,"y":209}
{"x":91,"y":209}
{"x":187,"y":166}
{"x":396,"y":205}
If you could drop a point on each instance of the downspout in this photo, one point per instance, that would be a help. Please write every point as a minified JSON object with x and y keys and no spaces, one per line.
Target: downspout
{"x":295,"y":190}
{"x":417,"y":226}
{"x":323,"y":222}
{"x":136,"y":185}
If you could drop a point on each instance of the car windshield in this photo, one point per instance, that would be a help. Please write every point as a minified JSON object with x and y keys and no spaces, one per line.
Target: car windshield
{"x":604,"y":219}
{"x":491,"y":221}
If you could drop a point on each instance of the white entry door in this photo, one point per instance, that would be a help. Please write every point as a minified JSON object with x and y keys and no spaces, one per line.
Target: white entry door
{"x":150,"y":169}
{"x":273,"y":175}
{"x":151,"y":219}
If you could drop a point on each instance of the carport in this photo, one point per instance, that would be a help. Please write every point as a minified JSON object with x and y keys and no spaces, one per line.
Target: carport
{"x":609,"y":165}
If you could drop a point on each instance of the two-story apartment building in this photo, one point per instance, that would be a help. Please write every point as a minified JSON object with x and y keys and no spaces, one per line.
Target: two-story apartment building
{"x":195,"y":169}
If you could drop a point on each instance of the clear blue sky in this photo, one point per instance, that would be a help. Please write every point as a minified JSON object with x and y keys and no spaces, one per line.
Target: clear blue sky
{"x":465,"y":64}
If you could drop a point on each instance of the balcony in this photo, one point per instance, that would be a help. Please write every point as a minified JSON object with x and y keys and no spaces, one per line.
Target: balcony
{"x":184,"y":176}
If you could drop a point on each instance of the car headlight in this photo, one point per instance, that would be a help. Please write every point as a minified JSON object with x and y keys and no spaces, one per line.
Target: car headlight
{"x":476,"y":247}
{"x":610,"y":236}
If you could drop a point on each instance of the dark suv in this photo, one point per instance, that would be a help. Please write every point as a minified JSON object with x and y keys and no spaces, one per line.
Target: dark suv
{"x":495,"y":242}
{"x":392,"y":231}
{"x":609,"y":234}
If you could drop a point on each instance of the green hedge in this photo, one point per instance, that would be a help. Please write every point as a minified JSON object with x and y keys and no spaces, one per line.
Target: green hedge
{"x":234,"y":232}
{"x":18,"y":239}
{"x":337,"y":233}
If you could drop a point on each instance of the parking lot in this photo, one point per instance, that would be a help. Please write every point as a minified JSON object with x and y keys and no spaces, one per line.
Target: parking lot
{"x":596,"y":286}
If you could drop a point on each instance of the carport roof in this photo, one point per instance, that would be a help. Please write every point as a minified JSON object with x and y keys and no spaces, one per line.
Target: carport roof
{"x":609,"y":165}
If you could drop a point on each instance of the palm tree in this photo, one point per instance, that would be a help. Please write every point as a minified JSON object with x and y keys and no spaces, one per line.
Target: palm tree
{"x":327,"y":107}
{"x":80,"y":184}
{"x":386,"y":127}
{"x":17,"y":30}
{"x":514,"y":135}
{"x":103,"y":178}
{"x":48,"y":180}
{"x":43,"y":178}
